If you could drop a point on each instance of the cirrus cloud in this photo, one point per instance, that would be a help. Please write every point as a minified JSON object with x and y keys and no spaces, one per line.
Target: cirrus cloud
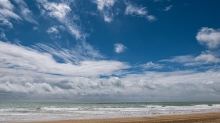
{"x":18,"y":57}
{"x":25,"y":12}
{"x":61,"y":11}
{"x":7,"y":13}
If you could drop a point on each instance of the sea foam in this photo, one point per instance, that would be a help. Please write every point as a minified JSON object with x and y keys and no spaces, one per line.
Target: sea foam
{"x":15,"y":112}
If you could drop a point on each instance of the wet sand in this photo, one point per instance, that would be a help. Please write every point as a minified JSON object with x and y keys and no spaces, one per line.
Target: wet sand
{"x":185,"y":118}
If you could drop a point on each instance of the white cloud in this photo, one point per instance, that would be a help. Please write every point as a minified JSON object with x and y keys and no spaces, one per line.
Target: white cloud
{"x":28,"y":59}
{"x":25,"y":12}
{"x":40,"y":73}
{"x":34,"y":73}
{"x":9,"y":14}
{"x":62,"y":12}
{"x":49,"y":72}
{"x":107,"y":19}
{"x":74,"y":31}
{"x":81,"y":52}
{"x":6,"y":13}
{"x":180,"y":59}
{"x":206,"y":36}
{"x":151,"y":18}
{"x":35,"y":28}
{"x":3,"y":36}
{"x":209,"y":37}
{"x":57,"y":10}
{"x":207,"y":58}
{"x":5,"y":22}
{"x":154,"y":86}
{"x":134,"y":10}
{"x":138,"y":11}
{"x":104,"y":3}
{"x":174,"y":84}
{"x":168,"y":8}
{"x":189,"y":60}
{"x":6,"y":4}
{"x":151,"y":65}
{"x":53,"y":30}
{"x":119,"y":48}
{"x":104,"y":6}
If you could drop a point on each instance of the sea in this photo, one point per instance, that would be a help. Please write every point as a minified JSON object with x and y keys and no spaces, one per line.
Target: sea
{"x":48,"y":111}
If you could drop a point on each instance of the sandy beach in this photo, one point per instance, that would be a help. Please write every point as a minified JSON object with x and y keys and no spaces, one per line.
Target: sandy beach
{"x":184,"y":118}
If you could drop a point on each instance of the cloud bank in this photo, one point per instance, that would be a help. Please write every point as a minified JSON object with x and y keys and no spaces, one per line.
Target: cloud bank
{"x":27,"y":73}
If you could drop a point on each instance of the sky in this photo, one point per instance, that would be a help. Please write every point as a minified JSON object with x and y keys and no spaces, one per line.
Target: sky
{"x":109,"y":50}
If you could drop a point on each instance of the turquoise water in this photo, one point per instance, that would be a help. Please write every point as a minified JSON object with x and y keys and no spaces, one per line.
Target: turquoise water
{"x":35,"y":111}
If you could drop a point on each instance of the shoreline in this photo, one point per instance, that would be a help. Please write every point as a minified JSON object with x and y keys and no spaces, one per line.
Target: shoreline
{"x":212,"y":117}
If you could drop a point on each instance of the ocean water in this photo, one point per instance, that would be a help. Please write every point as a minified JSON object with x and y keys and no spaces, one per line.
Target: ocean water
{"x":43,"y":111}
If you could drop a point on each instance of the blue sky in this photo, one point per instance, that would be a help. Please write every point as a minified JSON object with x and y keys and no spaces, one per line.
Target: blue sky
{"x":109,"y":50}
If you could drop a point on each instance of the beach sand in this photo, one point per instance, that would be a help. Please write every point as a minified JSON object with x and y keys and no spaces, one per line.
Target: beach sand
{"x":183,"y":118}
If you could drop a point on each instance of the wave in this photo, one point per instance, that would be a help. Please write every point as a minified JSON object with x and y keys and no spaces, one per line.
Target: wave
{"x":38,"y":111}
